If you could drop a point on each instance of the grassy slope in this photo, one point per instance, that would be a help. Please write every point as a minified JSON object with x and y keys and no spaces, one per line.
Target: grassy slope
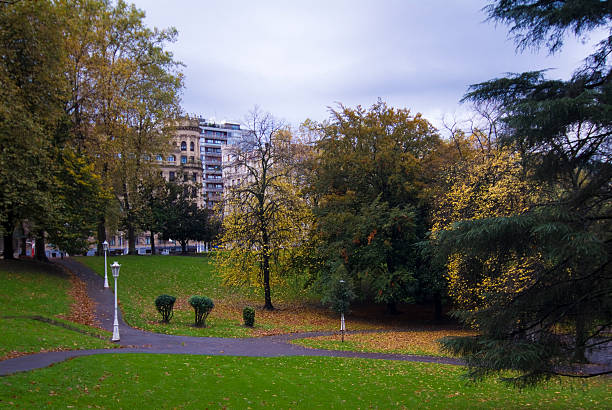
{"x":164,"y":381}
{"x":143,"y":278}
{"x":32,"y":289}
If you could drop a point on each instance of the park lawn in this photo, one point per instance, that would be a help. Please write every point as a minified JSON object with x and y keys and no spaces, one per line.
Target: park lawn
{"x":143,"y":278}
{"x":31,"y":295}
{"x":422,"y":341}
{"x":183,"y":381}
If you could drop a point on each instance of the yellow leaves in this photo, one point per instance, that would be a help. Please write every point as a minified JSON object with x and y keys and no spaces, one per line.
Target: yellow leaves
{"x":505,"y":278}
{"x":491,"y":184}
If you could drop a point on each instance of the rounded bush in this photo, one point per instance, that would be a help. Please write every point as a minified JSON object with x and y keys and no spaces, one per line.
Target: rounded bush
{"x":248,"y":315}
{"x":165,"y":306}
{"x":202,"y":306}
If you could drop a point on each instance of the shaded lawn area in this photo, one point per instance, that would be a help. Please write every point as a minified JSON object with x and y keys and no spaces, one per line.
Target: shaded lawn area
{"x":416,"y":342}
{"x":143,"y":278}
{"x":183,"y":381}
{"x":29,"y":289}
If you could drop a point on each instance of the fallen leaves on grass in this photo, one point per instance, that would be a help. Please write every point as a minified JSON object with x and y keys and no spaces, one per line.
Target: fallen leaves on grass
{"x":419,"y":341}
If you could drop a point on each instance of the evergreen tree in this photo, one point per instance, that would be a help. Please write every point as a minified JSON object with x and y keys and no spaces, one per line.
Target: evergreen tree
{"x":180,"y":218}
{"x":554,"y":257}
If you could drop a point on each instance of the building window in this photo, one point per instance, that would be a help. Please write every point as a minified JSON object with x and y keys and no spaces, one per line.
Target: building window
{"x":161,"y":174}
{"x":112,"y":241}
{"x":191,"y":159}
{"x":158,"y":157}
{"x":185,"y":176}
{"x":194,"y":177}
{"x":171,"y":158}
{"x":183,"y":159}
{"x":183,"y":146}
{"x":191,"y":147}
{"x":148,"y":240}
{"x":171,"y":176}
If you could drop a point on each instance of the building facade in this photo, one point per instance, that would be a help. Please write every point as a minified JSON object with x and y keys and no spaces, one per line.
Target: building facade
{"x":213,"y":138}
{"x":184,"y":164}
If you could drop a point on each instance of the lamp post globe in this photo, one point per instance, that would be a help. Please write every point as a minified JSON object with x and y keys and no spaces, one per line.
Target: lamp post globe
{"x":115,"y":269}
{"x":105,"y":246}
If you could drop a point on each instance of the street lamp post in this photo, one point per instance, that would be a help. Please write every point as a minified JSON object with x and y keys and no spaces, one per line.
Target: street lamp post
{"x":342,"y":327}
{"x":115,"y":268}
{"x":105,"y":246}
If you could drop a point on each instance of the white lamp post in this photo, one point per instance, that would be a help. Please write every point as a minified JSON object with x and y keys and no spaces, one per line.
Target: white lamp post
{"x":105,"y":245}
{"x":115,"y":268}
{"x":342,"y":327}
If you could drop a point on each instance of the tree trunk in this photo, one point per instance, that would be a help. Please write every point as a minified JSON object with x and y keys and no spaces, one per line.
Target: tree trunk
{"x":152,"y":243}
{"x":8,"y":245}
{"x":101,"y":236}
{"x":579,"y":349}
{"x":129,"y":221}
{"x":392,"y":309}
{"x":184,"y":247}
{"x":22,"y":248}
{"x":131,"y":239}
{"x":9,"y":228}
{"x":266,"y":274}
{"x":437,"y":307}
{"x":40,"y":247}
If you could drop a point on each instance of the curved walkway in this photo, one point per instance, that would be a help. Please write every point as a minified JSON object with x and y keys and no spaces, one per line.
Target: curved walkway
{"x":138,"y":341}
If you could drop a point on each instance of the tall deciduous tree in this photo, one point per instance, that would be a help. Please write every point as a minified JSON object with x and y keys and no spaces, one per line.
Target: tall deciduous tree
{"x":368,"y":180}
{"x":33,"y":88}
{"x":558,"y":252}
{"x":265,"y":217}
{"x":125,"y":90}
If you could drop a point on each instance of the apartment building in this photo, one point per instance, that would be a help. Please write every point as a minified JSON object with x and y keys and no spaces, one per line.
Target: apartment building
{"x":184,"y":162}
{"x":214,"y":136}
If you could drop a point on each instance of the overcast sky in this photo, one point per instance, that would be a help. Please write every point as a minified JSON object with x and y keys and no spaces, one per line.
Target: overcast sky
{"x":296,"y":59}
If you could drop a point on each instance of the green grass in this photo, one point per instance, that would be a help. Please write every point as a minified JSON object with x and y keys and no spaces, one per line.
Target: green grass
{"x":183,"y":381}
{"x":143,"y":278}
{"x":30,"y":289}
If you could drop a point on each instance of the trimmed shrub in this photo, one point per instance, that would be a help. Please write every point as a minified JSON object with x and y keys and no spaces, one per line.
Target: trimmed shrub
{"x":202,"y":306}
{"x":248,"y":315}
{"x":165,"y":306}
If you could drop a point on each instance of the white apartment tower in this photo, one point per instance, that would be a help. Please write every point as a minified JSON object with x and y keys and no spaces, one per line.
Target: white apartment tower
{"x":213,"y":136}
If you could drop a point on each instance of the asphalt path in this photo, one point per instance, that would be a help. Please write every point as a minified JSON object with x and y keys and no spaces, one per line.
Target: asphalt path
{"x":138,"y":341}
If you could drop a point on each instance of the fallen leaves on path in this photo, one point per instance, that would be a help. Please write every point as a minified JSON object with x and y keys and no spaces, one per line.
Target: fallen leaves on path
{"x":83,"y":307}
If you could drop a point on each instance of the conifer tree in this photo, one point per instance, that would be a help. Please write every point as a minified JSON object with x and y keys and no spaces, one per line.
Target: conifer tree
{"x":555,"y":256}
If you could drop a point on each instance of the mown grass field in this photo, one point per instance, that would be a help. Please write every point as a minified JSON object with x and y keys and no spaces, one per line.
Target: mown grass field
{"x":182,"y":381}
{"x":143,"y":278}
{"x":28,"y":290}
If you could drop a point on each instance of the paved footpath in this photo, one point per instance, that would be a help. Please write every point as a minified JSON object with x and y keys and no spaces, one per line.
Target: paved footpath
{"x":138,"y":341}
